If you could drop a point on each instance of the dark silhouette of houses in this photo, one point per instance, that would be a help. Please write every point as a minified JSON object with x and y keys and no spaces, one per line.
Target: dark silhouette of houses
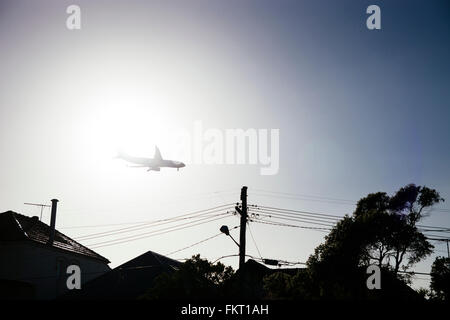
{"x":128,"y":281}
{"x":34,"y":258}
{"x":250,"y":282}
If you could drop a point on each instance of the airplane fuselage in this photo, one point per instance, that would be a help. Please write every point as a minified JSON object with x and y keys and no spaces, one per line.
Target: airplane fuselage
{"x":152,"y":163}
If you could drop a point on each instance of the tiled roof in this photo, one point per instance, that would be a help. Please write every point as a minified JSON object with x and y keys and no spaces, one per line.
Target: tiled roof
{"x":16,"y":227}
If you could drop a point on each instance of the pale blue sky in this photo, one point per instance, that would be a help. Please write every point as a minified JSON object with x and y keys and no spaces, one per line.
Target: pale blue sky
{"x":359,"y":111}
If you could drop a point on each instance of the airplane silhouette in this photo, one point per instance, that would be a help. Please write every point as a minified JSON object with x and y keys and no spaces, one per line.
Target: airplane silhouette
{"x":153,"y":164}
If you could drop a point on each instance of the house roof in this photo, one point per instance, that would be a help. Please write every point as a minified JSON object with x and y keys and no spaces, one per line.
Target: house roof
{"x":392,"y":287}
{"x":17,"y":227}
{"x":127,"y":281}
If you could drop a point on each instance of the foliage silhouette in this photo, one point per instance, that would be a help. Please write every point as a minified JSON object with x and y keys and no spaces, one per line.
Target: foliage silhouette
{"x":382,"y":231}
{"x":440,"y":279}
{"x":197,"y":278}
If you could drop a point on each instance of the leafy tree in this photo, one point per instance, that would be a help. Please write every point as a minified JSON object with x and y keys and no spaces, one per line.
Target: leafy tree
{"x":334,"y":268}
{"x":440,"y":278}
{"x":284,"y":286}
{"x":279,"y":285}
{"x":424,"y":293}
{"x":394,"y":240}
{"x":195,"y":279}
{"x":382,"y":230}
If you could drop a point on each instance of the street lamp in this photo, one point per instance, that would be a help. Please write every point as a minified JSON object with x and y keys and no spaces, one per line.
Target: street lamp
{"x":226,"y":231}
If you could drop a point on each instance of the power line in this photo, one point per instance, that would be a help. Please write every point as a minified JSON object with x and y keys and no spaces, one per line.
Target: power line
{"x":232,"y":255}
{"x":160,"y":230}
{"x":299,"y":215}
{"x":210,"y":215}
{"x":288,"y":263}
{"x":263,"y":221}
{"x":295,"y":220}
{"x":434,"y":230}
{"x":153,"y":223}
{"x":437,"y":239}
{"x":317,"y":198}
{"x":149,"y":234}
{"x":323,"y":216}
{"x":424,"y":226}
{"x":194,"y":244}
{"x":291,"y":218}
{"x":289,"y":225}
{"x":251,"y":234}
{"x":314,"y":223}
{"x":414,"y":272}
{"x":104,"y":225}
{"x":305,"y":212}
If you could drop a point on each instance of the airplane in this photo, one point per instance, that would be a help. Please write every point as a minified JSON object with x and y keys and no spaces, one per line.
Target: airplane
{"x":153,"y":164}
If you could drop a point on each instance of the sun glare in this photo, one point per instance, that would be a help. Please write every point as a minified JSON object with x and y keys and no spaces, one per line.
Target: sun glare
{"x":124,"y":122}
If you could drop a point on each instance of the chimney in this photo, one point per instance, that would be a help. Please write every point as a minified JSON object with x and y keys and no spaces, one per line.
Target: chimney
{"x":53,"y":222}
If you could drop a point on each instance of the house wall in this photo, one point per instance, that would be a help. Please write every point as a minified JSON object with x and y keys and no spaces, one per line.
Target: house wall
{"x":45,"y":267}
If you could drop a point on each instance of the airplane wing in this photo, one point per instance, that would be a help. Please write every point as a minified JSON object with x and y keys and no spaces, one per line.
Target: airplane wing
{"x":157,"y":155}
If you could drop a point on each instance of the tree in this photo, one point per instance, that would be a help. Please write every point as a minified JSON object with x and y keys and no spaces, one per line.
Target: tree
{"x":382,"y":230}
{"x":440,"y":278}
{"x":195,"y":279}
{"x":394,"y":241}
{"x":334,"y":268}
{"x":424,"y":293}
{"x":283,"y":286}
{"x":279,"y":286}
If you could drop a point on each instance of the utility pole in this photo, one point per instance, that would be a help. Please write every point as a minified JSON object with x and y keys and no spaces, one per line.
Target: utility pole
{"x":243,"y":212}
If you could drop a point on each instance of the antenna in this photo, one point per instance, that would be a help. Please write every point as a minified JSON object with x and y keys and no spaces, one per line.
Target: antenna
{"x":38,"y":205}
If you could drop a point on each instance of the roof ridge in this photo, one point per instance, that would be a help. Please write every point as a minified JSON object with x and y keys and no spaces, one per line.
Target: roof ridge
{"x":39,"y":232}
{"x":79,"y":244}
{"x":13,"y":213}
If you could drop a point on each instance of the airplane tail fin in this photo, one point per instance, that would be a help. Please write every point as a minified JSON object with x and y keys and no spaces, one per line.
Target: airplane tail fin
{"x":157,"y":155}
